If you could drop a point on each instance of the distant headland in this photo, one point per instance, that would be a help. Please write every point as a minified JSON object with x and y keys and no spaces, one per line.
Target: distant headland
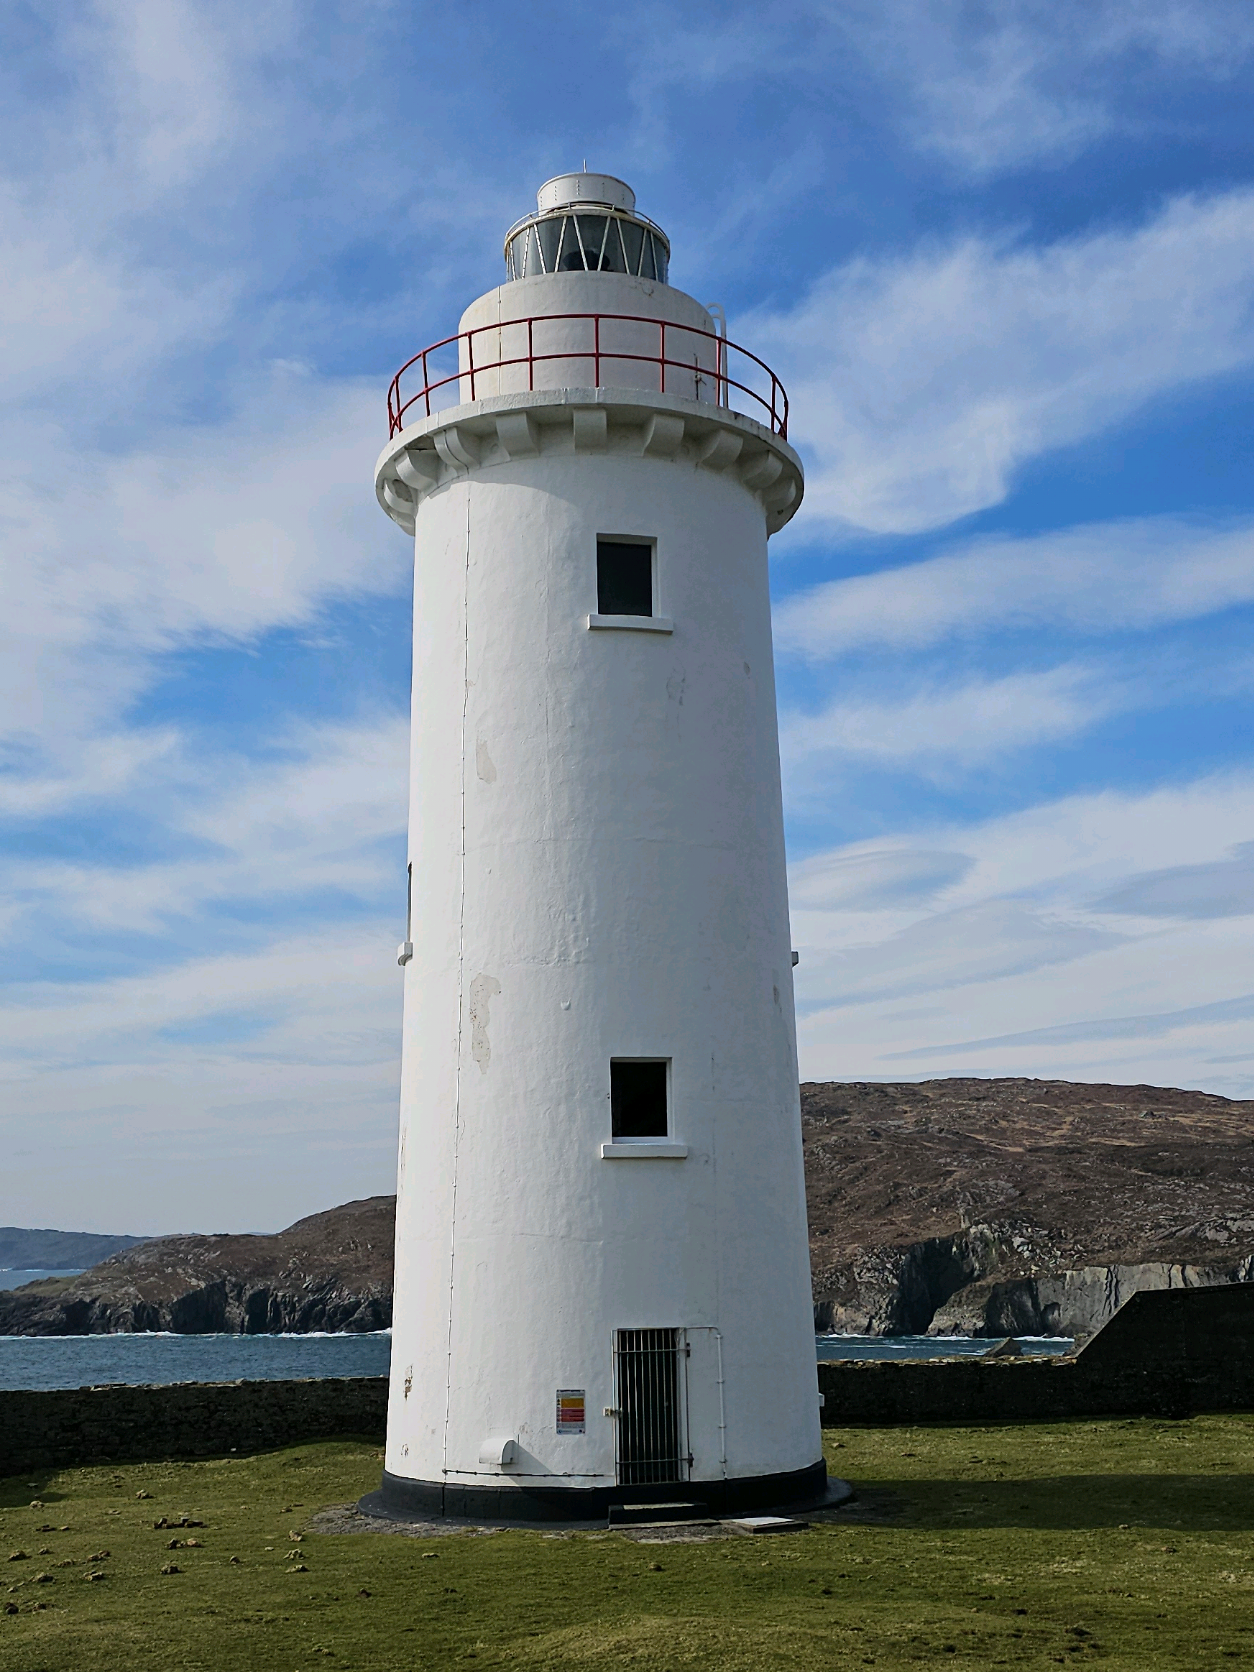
{"x":22,"y":1250}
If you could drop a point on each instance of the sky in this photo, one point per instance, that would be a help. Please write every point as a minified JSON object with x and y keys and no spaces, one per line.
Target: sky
{"x":1002,"y":255}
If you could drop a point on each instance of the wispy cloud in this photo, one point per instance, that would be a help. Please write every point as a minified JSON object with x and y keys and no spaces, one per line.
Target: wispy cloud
{"x":1072,"y":927}
{"x":923,"y":383}
{"x":166,"y":1113}
{"x":1097,"y":579}
{"x":1005,"y":84}
{"x":953,"y":727}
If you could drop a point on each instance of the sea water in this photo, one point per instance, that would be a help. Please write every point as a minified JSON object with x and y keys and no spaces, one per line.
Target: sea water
{"x":73,"y":1361}
{"x":11,"y":1278}
{"x":931,"y":1346}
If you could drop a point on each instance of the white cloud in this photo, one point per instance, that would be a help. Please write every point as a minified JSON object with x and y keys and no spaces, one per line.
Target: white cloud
{"x":985,"y":86}
{"x":214,"y":534}
{"x":1029,"y":957}
{"x":948,"y":728}
{"x":1008,"y":83}
{"x":250,"y":1081}
{"x":1099,"y":578}
{"x":920,"y":384}
{"x":320,"y":813}
{"x":869,"y":878}
{"x":1217,"y":888}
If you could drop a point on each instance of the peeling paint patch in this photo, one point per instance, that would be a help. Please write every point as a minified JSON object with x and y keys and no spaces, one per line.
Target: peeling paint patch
{"x":483,"y":763}
{"x":483,"y":989}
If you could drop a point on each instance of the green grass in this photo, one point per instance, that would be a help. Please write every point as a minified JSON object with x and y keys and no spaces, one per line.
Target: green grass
{"x":1128,"y":1543}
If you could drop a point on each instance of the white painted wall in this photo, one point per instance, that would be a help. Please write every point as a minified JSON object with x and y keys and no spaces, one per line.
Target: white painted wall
{"x":598,"y":865}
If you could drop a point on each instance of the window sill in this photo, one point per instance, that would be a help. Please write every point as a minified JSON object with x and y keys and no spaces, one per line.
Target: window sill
{"x":633,"y":623}
{"x":644,"y":1149}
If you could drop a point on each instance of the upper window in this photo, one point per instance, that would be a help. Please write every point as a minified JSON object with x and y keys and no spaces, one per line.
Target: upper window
{"x":638,"y":1099}
{"x":624,"y":577}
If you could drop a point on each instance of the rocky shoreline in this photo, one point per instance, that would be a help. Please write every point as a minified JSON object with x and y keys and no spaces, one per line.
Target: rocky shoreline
{"x":332,"y":1271}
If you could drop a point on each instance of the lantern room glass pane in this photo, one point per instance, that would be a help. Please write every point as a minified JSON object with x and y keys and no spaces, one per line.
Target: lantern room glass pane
{"x":647,"y":269}
{"x":592,"y":231}
{"x":661,"y":260}
{"x":549,"y":233}
{"x":633,"y":241}
{"x":569,"y":255}
{"x":612,"y":260}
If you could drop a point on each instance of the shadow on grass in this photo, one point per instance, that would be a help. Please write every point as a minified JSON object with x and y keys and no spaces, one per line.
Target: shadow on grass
{"x":1211,"y":1503}
{"x":17,"y":1491}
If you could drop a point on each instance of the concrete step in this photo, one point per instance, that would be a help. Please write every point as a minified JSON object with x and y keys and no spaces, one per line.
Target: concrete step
{"x":635,"y":1515}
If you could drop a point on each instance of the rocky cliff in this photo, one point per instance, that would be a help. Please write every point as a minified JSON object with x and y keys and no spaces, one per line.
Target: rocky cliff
{"x":332,"y":1271}
{"x":998,"y":1207}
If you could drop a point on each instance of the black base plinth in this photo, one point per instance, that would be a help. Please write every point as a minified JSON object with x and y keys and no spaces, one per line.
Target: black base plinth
{"x":400,"y":1499}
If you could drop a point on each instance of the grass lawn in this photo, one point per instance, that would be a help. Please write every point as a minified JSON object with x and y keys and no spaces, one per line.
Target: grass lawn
{"x":1129,"y":1543}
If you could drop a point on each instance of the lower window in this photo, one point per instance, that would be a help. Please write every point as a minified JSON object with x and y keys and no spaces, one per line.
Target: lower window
{"x":638,"y":1098}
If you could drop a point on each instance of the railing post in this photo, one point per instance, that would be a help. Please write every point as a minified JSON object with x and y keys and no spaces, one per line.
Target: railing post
{"x":531,"y":357}
{"x":470,"y":360}
{"x":596,"y":351}
{"x":662,"y":355}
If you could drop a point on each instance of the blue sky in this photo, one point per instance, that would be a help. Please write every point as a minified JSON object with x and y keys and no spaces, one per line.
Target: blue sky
{"x":1003,"y":257}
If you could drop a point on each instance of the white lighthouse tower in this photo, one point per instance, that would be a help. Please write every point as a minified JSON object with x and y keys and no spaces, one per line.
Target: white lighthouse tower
{"x":602,"y":1278}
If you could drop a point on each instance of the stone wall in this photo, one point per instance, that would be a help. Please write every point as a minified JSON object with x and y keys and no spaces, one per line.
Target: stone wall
{"x":188,"y":1419}
{"x":1165,"y":1353}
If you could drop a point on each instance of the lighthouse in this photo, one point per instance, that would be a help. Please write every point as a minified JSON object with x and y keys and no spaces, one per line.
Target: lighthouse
{"x":602,"y":1290}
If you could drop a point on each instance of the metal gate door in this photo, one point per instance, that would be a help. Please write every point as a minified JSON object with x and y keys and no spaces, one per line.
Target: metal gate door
{"x":647,"y":1375}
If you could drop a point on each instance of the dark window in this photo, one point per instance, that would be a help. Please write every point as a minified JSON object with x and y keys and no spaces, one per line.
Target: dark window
{"x":638,"y":1099}
{"x":624,"y":578}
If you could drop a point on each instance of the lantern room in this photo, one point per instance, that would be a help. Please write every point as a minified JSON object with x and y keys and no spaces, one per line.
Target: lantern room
{"x":587,"y":223}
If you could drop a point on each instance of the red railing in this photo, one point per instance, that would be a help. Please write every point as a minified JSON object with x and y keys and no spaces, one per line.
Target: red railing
{"x":771,"y":397}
